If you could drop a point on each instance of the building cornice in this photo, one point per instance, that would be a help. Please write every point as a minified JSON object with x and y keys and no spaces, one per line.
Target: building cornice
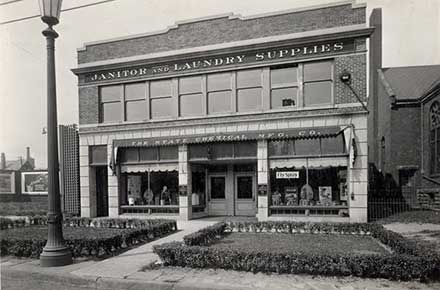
{"x":353,"y":31}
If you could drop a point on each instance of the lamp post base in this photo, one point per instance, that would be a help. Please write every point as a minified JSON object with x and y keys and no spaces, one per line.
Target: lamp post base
{"x":55,"y":257}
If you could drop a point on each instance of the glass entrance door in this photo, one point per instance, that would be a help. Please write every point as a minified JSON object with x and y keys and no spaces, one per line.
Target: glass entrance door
{"x":217,"y":194}
{"x":245,"y":187}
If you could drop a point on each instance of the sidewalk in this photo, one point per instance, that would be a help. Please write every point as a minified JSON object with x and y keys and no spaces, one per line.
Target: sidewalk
{"x":128,"y":271}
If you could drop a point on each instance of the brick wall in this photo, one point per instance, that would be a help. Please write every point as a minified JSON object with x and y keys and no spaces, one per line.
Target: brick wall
{"x":221,"y":30}
{"x":88,"y":105}
{"x":405,"y":139}
{"x":356,"y":65}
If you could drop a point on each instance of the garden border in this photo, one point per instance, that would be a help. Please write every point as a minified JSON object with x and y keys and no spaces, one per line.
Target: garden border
{"x":408,"y":261}
{"x":133,"y":231}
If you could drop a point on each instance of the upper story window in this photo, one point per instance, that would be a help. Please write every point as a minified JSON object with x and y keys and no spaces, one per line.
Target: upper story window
{"x":110,"y":104}
{"x":243,"y":91}
{"x":219,"y":93}
{"x":161,"y":105}
{"x":318,"y":84}
{"x":191,"y":101}
{"x":135,"y":102}
{"x":434,"y":113}
{"x":284,"y":87}
{"x":249,"y":90}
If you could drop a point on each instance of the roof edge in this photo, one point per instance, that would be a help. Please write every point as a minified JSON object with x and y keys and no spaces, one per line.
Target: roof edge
{"x":385,"y":83}
{"x":229,"y":15}
{"x":358,"y":30}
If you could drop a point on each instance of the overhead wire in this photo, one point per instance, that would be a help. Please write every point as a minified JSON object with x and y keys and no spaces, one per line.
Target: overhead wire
{"x":62,"y":10}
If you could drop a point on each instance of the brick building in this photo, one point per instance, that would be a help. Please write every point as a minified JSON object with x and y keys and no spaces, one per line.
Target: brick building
{"x":408,"y":134}
{"x":229,"y":115}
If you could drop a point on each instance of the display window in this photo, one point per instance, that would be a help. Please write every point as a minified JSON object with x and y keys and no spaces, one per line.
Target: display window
{"x":151,"y":188}
{"x":322,"y":187}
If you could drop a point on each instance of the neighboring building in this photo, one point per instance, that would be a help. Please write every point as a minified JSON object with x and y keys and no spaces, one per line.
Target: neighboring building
{"x":408,"y":134}
{"x":69,"y":169}
{"x":229,"y":115}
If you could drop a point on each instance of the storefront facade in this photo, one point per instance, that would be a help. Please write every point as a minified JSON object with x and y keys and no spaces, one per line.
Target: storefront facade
{"x":229,"y":116}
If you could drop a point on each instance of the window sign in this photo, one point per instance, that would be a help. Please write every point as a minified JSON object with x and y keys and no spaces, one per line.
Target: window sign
{"x":287,"y":174}
{"x":34,"y":182}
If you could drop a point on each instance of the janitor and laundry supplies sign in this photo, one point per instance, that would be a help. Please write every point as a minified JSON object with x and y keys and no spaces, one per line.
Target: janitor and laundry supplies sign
{"x":255,"y":57}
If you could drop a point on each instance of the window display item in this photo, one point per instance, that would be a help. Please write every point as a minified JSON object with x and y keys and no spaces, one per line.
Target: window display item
{"x":276,"y":198}
{"x":148,"y":196}
{"x":325,"y":195}
{"x":291,"y":196}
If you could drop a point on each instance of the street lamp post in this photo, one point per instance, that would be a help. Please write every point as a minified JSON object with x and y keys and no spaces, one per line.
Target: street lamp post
{"x":55,"y":253}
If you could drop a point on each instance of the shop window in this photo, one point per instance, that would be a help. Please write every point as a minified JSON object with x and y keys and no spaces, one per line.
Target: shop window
{"x":324,"y":187}
{"x":281,"y":148}
{"x":135,"y":102}
{"x":245,"y":149}
{"x":168,"y":153}
{"x":151,"y":188}
{"x":318,"y":84}
{"x":110,"y":104}
{"x":198,"y":151}
{"x":98,"y":155}
{"x":130,"y":155}
{"x":435,"y":138}
{"x":148,"y":154}
{"x":284,"y":87}
{"x":308,"y":147}
{"x":221,"y":150}
{"x":190,"y":96}
{"x":161,"y":105}
{"x":332,"y":145}
{"x":219,"y":93}
{"x":249,"y":89}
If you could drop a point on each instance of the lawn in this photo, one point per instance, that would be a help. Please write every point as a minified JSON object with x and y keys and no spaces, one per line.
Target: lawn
{"x":419,"y":216}
{"x":301,"y":243}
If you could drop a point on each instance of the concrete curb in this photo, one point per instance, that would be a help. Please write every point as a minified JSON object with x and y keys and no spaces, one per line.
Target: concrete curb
{"x":14,"y":279}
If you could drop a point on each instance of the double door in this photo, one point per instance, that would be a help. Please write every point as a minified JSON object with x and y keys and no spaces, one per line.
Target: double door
{"x":232,"y":193}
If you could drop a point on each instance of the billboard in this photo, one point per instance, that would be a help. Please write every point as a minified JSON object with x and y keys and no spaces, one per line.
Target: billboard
{"x":7,"y":182}
{"x":34,"y":182}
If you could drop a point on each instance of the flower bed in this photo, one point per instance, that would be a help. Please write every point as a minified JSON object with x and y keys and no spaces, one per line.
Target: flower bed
{"x":407,"y":260}
{"x":96,"y":240}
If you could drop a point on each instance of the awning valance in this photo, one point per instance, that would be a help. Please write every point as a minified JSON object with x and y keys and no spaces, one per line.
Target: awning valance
{"x":153,"y":167}
{"x":310,"y":162}
{"x":297,"y":133}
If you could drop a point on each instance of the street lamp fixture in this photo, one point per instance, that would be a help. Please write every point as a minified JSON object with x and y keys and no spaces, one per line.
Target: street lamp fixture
{"x":55,"y":253}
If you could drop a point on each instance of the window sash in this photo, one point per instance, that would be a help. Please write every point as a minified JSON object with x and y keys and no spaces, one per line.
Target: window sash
{"x":223,"y":92}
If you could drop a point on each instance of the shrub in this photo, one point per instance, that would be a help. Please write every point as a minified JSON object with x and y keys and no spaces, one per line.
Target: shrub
{"x":205,"y":236}
{"x":408,"y":261}
{"x":86,"y":241}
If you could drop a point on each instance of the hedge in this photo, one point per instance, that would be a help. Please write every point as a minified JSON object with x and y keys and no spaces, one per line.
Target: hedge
{"x":205,"y":236}
{"x":120,"y":223}
{"x":408,"y":260}
{"x":97,"y":246}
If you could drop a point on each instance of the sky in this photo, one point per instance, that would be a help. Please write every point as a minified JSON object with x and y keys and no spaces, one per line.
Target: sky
{"x":411,"y":36}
